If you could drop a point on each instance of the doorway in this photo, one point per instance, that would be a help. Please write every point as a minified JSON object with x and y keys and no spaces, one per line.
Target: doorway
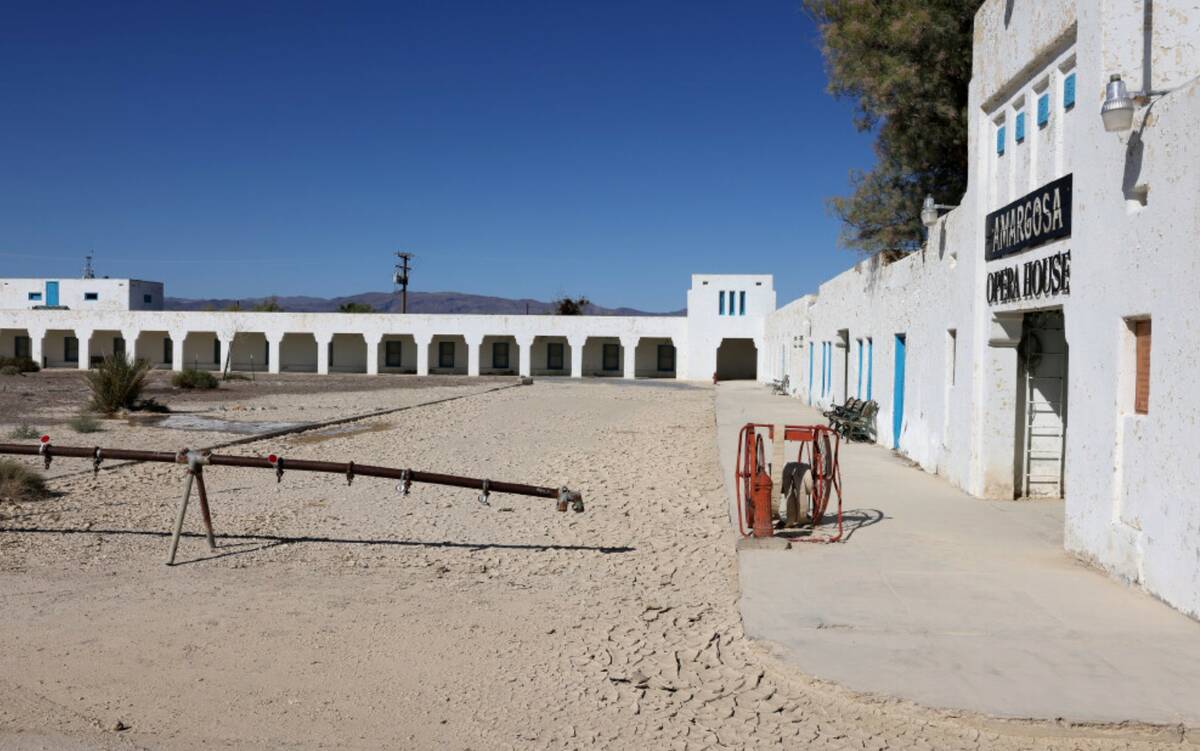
{"x":1042,"y":359}
{"x":898,"y":390}
{"x":737,"y":359}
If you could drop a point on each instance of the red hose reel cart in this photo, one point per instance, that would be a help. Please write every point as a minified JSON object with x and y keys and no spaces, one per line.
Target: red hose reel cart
{"x":816,"y":458}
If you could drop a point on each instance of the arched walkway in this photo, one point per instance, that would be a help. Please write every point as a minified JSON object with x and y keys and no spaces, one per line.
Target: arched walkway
{"x":737,"y":360}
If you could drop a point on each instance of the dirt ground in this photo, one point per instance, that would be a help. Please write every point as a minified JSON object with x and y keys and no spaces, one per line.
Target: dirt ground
{"x":351,"y":616}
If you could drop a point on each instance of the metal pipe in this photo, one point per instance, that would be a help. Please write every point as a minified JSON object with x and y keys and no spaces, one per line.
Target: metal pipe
{"x":187,"y":492}
{"x":301,"y":465}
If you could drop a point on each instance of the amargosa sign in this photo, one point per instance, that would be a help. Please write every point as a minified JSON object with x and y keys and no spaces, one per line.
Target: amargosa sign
{"x":1041,"y":216}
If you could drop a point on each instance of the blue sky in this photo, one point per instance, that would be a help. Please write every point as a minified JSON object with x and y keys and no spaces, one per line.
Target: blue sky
{"x":605,"y":148}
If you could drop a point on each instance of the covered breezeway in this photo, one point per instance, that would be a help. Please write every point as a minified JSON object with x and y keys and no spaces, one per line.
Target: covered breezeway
{"x":347,"y":353}
{"x":499,"y":355}
{"x":397,"y":353}
{"x":156,"y":348}
{"x":550,"y":356}
{"x":603,"y":357}
{"x":654,"y":357}
{"x":448,"y":355}
{"x":298,"y":353}
{"x":737,"y":360}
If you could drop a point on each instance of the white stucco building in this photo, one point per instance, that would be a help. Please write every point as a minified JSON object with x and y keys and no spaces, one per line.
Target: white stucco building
{"x":1013,"y":354}
{"x":722,"y":331}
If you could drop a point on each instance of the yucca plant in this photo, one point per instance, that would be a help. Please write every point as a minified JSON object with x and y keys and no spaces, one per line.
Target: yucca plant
{"x":117,"y":383}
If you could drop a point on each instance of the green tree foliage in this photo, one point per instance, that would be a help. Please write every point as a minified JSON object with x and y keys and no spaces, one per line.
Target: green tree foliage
{"x":270,"y":305}
{"x":571,"y":306}
{"x":355,"y":307}
{"x":907,"y":65}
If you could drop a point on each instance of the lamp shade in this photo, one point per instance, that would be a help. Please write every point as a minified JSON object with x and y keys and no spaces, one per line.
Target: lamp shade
{"x":1117,"y":110}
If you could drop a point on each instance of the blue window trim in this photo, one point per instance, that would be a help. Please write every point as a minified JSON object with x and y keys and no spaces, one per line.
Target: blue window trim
{"x":1020,"y":131}
{"x":742,"y":303}
{"x":721,"y":303}
{"x":811,"y":358}
{"x":1043,"y":110}
{"x":1000,"y":134}
{"x":870,"y":365}
{"x":1069,"y":92}
{"x":35,"y":296}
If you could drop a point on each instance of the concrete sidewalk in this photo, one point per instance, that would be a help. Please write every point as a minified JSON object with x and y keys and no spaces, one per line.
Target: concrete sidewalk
{"x":955,"y":602}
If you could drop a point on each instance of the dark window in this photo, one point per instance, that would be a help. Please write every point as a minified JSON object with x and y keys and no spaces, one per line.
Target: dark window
{"x":500,"y":355}
{"x":267,"y":354}
{"x":554,"y":356}
{"x":168,"y":350}
{"x":393,"y":353}
{"x":1141,"y":393}
{"x":118,"y":347}
{"x":721,"y":303}
{"x":666,"y":358}
{"x":217,"y":351}
{"x":70,"y":349}
{"x":612,"y":357}
{"x":147,"y":299}
{"x":741,"y":303}
{"x":21,"y":346}
{"x":91,"y":296}
{"x":445,"y":354}
{"x":329,"y":353}
{"x":35,"y":296}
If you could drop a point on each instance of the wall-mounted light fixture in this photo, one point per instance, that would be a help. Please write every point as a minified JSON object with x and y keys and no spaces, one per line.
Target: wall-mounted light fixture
{"x":930,"y":211}
{"x":1119,"y":105}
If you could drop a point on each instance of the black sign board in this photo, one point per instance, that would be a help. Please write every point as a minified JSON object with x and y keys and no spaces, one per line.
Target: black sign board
{"x":1041,"y":216}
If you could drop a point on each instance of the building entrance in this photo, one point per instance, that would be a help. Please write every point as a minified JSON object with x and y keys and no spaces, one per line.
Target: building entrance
{"x":1041,"y":405}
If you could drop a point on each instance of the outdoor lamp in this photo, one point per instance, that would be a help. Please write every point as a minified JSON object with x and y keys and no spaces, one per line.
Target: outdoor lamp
{"x":930,"y":211}
{"x":1117,"y":110}
{"x":1119,"y":104}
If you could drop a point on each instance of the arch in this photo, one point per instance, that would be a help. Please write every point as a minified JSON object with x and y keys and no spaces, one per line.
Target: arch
{"x":603,"y":357}
{"x":499,"y":355}
{"x":655,"y":357}
{"x":397,"y":353}
{"x":545,"y":357}
{"x":348,"y":353}
{"x":448,"y":354}
{"x":298,"y":353}
{"x":155,"y":347}
{"x":737,"y":360}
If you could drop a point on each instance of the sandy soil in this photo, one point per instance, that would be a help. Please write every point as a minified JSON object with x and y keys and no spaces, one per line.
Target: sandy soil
{"x":335,"y":616}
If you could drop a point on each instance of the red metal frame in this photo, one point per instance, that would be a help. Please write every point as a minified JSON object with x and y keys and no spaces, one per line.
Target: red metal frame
{"x":819,"y":449}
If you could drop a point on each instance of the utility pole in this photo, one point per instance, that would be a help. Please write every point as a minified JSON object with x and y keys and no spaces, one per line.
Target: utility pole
{"x":400,"y":278}
{"x":88,"y":272}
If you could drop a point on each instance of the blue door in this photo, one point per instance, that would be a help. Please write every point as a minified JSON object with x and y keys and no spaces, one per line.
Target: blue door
{"x":898,"y":392}
{"x":52,"y":293}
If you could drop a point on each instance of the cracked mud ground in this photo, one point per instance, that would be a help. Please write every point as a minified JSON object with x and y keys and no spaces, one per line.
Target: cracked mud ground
{"x":335,"y":616}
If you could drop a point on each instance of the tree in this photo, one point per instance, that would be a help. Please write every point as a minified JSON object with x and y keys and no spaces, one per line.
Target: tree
{"x":269,"y":305}
{"x":566,"y":306}
{"x":907,"y":64}
{"x":355,"y":307}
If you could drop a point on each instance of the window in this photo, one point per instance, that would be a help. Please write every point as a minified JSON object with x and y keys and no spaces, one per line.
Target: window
{"x":216,"y":350}
{"x":951,"y":354}
{"x":612,"y":357}
{"x":1141,"y":391}
{"x":1069,"y":91}
{"x":329,"y":353}
{"x":1000,"y":140}
{"x":267,"y":353}
{"x":858,"y":390}
{"x":870,"y":364}
{"x":168,"y":350}
{"x":721,"y":303}
{"x":35,"y":296}
{"x":500,"y":355}
{"x":70,"y":349}
{"x":22,"y":346}
{"x":147,"y":299}
{"x":393,"y":353}
{"x":91,"y":296}
{"x":554,"y":356}
{"x":742,"y":303}
{"x":118,"y":347}
{"x":1043,"y":110}
{"x":666,"y":358}
{"x":1020,"y":129}
{"x":445,"y":354}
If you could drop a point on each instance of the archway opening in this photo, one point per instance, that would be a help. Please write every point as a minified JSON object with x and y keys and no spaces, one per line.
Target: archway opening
{"x":737,"y":360}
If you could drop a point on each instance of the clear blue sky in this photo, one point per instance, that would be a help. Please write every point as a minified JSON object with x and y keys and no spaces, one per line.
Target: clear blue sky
{"x":605,"y":148}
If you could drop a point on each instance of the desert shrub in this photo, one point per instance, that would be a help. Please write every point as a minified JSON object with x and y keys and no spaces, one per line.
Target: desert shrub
{"x":84,"y":423}
{"x":20,"y":483}
{"x":117,"y":383}
{"x":190,"y":378}
{"x":10,"y":370}
{"x":22,"y":364}
{"x":24,"y":431}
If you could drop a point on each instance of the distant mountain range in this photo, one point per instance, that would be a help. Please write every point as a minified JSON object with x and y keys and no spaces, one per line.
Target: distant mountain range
{"x":418,"y":302}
